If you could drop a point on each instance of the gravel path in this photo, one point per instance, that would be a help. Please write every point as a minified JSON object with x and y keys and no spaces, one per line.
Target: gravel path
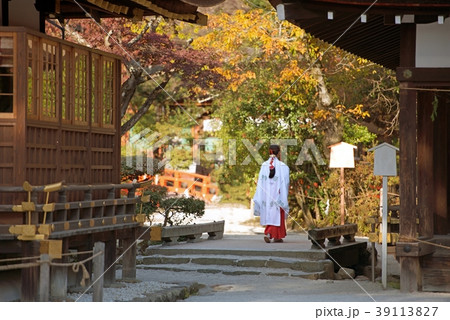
{"x":125,"y":291}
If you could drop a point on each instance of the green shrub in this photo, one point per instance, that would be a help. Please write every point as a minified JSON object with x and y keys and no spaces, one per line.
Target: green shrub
{"x":174,"y":210}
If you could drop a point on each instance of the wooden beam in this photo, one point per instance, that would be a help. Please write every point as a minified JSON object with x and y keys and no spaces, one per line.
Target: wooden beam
{"x":414,"y":249}
{"x":424,"y":75}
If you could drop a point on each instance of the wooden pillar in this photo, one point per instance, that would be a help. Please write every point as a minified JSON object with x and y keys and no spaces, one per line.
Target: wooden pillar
{"x":99,"y":267}
{"x":410,"y":271}
{"x":59,"y":276}
{"x":425,"y":183}
{"x":29,"y":276}
{"x":110,"y":260}
{"x":20,"y":102}
{"x":129,"y":257}
{"x":440,"y":166}
{"x":44,"y":278}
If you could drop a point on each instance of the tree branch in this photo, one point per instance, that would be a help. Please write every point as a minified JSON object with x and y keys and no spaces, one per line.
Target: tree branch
{"x":140,"y":35}
{"x":144,"y":108}
{"x":128,"y":89}
{"x":138,"y":75}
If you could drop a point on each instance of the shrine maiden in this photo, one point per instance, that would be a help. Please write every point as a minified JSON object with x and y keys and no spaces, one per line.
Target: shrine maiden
{"x":271,"y":196}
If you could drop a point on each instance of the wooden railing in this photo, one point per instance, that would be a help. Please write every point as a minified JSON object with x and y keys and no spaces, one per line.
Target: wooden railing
{"x":100,"y":208}
{"x":195,"y":185}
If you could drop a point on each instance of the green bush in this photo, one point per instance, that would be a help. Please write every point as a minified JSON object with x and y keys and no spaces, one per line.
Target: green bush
{"x":178,"y":210}
{"x":175,"y":210}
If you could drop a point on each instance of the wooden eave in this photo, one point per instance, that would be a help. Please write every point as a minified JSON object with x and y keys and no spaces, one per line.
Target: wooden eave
{"x":132,"y":9}
{"x":378,"y":39}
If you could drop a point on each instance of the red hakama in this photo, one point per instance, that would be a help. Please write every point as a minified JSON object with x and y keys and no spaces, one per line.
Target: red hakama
{"x":277,"y":232}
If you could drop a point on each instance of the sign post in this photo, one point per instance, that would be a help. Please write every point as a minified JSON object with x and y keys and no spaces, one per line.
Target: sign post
{"x":385,"y":164}
{"x":342,"y":156}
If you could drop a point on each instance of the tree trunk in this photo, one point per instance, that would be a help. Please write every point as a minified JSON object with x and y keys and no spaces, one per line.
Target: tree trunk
{"x":128,"y":89}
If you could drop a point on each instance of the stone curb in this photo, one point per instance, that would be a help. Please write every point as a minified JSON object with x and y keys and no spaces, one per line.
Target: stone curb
{"x":171,"y":295}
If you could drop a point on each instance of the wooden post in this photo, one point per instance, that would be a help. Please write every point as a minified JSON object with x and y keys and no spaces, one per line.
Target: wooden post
{"x":20,"y":98}
{"x":373,"y":261}
{"x":59,"y":276}
{"x":99,"y":267}
{"x":385,"y":164}
{"x":410,"y":272}
{"x":44,"y":278}
{"x":342,"y":181}
{"x":425,"y":183}
{"x":110,"y":259}
{"x":441,"y":225}
{"x":384,"y":234}
{"x":29,"y":276}
{"x":409,"y":266}
{"x":129,"y":257}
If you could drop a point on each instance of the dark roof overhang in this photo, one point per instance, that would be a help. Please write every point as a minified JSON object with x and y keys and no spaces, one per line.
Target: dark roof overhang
{"x":132,"y":9}
{"x":377,"y":38}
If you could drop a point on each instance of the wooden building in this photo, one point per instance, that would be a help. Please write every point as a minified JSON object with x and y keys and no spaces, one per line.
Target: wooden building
{"x":60,"y":121}
{"x":413,"y":38}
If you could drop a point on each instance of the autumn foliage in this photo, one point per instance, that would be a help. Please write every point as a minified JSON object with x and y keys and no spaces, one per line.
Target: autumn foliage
{"x":264,"y":79}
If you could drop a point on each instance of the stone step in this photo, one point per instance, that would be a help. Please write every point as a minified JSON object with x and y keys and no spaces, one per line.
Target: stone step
{"x":298,"y":254}
{"x":239,"y":261}
{"x":237,"y":271}
{"x":251,"y":256}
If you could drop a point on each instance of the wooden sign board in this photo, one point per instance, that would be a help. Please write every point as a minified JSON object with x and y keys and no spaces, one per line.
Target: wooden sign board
{"x":385,"y":162}
{"x":342,"y":155}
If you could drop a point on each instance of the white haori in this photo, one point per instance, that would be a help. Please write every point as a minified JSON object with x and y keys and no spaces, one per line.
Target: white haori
{"x":272,"y":194}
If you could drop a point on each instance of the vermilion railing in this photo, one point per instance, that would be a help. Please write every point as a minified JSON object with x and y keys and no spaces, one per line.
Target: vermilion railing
{"x":192,"y":184}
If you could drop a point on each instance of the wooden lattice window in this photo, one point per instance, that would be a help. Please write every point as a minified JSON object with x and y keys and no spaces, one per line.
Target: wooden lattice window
{"x":95,"y":89}
{"x":6,"y":74}
{"x":108,"y":92}
{"x":81,"y":87}
{"x":66,"y":76}
{"x":32,"y":76}
{"x":49,"y":79}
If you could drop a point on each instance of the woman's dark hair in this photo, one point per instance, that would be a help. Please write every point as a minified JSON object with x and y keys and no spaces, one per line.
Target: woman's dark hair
{"x":273,"y":149}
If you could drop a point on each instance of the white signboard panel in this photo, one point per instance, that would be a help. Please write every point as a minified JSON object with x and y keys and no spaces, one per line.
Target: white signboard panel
{"x":342,"y":155}
{"x":433,"y":45}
